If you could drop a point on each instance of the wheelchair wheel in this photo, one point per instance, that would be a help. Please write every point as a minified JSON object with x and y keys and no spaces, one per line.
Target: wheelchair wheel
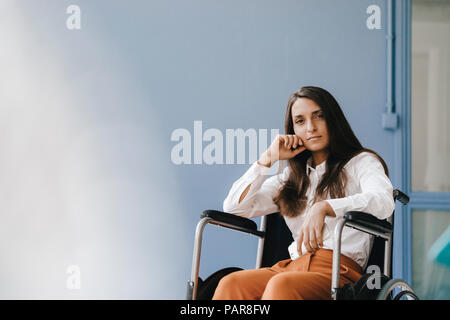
{"x":387,"y":292}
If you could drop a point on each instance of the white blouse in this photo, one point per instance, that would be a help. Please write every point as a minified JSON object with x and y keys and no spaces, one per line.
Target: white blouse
{"x":368,"y":189}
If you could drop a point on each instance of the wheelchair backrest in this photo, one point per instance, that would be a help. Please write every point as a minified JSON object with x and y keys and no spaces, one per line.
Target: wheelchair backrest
{"x":277,"y":240}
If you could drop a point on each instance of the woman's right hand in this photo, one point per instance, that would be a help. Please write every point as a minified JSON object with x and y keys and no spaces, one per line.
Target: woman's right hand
{"x":283,"y":147}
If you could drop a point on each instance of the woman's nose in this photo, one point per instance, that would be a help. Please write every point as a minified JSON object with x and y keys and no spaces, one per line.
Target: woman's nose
{"x":310,"y":127}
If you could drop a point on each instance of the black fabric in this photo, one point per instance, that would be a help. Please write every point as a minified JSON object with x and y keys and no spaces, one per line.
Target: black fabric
{"x":347,"y":292}
{"x":376,"y":256}
{"x":206,"y":288}
{"x":277,"y":240}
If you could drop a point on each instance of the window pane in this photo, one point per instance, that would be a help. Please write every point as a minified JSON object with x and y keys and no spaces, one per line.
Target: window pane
{"x":430,"y":95}
{"x":430,"y":279}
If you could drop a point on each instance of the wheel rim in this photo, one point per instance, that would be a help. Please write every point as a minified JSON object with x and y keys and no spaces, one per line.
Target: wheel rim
{"x":411,"y":294}
{"x":397,"y":283}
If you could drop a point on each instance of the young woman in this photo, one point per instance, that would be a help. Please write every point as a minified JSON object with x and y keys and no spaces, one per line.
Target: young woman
{"x":329,"y":173}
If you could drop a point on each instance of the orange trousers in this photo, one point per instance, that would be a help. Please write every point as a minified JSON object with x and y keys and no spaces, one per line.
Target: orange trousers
{"x":307,"y":278}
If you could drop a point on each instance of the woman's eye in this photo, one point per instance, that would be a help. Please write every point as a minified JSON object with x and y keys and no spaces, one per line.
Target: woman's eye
{"x":319,"y":116}
{"x":299,"y":121}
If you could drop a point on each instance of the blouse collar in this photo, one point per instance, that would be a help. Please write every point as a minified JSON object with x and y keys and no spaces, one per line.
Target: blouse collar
{"x":320,"y":169}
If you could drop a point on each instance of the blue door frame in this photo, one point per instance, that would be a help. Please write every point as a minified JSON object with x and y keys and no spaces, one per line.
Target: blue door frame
{"x":402,"y":173}
{"x":402,"y":74}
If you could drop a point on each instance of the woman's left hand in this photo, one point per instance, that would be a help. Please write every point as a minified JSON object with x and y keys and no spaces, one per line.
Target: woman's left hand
{"x":312,"y":227}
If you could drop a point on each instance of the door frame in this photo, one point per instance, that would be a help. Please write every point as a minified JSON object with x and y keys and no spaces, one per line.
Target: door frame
{"x":419,"y":200}
{"x":402,"y":139}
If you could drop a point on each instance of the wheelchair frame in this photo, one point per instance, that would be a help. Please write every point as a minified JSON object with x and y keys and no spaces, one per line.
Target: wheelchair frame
{"x":358,"y":220}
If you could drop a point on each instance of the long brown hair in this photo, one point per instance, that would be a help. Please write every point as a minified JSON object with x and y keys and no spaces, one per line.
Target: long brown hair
{"x":343,"y":145}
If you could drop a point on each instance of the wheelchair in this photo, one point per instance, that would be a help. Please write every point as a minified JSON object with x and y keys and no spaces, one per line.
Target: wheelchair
{"x":275,"y":237}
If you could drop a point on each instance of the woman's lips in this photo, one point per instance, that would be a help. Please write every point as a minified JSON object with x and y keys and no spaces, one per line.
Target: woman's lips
{"x":314,"y":138}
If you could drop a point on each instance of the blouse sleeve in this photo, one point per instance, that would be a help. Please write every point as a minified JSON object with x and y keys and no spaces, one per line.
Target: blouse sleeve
{"x":259,"y":199}
{"x":376,"y":195}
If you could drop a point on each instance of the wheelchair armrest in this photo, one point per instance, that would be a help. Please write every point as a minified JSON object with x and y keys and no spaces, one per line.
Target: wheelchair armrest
{"x":400,"y":196}
{"x":232,"y":221}
{"x":367,"y":221}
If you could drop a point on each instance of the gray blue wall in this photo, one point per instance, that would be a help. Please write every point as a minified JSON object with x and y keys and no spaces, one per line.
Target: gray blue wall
{"x":86,"y":173}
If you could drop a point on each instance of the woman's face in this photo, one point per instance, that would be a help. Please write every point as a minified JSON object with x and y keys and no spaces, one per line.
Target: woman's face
{"x":310,"y":125}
